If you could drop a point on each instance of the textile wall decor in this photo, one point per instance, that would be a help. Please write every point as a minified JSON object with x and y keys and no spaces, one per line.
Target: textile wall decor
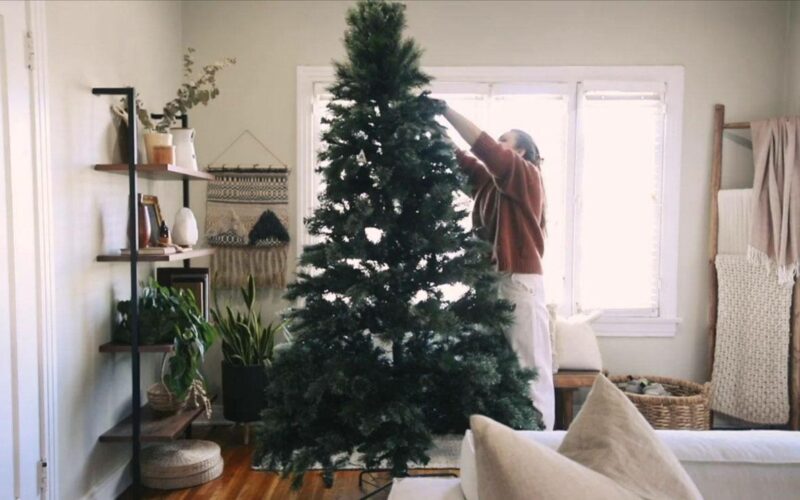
{"x":246,"y":222}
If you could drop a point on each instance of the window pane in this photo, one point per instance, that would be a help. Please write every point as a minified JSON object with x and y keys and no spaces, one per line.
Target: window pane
{"x":546,"y":119}
{"x":620,"y":205}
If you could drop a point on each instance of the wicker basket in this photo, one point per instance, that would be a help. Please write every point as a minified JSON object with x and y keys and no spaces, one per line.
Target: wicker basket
{"x":162,"y":400}
{"x":687,"y":409}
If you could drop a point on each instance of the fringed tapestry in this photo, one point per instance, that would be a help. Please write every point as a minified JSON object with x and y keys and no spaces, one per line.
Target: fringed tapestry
{"x":246,"y":220}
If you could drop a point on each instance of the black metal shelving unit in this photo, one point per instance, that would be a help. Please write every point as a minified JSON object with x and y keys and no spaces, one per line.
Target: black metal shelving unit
{"x":131,"y":427}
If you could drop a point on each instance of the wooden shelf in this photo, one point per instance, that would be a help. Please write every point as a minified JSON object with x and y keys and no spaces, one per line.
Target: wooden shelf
{"x":116,"y":347}
{"x":157,"y":171}
{"x":574,"y":379}
{"x":191,"y":254}
{"x":154,"y":426}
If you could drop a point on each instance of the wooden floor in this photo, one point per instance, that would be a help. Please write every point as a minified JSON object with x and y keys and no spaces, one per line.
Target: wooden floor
{"x":239,"y":481}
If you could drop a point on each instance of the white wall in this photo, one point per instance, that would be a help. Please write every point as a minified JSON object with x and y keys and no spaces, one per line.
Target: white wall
{"x":733,"y":52}
{"x":792,"y":96}
{"x":98,"y":44}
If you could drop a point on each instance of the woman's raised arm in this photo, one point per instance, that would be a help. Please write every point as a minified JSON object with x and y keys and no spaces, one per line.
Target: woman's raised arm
{"x":465,"y":128}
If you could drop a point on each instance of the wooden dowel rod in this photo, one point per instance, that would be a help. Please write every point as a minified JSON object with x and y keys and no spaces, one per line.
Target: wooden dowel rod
{"x":741,"y":125}
{"x":713,"y":232}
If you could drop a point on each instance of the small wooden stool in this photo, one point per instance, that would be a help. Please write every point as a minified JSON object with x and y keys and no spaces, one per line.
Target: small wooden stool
{"x":566,"y":383}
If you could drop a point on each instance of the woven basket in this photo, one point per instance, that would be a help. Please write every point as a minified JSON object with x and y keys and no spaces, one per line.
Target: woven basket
{"x":164,"y":401}
{"x":686,"y":409}
{"x":161,"y":399}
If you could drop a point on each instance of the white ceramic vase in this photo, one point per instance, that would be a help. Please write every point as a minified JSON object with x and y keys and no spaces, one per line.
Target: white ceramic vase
{"x":153,"y":139}
{"x":183,"y":139}
{"x":184,"y":231}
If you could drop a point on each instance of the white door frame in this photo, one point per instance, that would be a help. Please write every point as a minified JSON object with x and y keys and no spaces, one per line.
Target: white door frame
{"x":45,"y":282}
{"x":29,"y":247}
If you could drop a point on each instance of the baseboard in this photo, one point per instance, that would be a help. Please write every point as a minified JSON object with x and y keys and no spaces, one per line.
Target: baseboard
{"x":115,"y":484}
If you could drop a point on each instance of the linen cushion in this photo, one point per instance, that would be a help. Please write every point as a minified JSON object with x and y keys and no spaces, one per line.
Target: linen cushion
{"x":576,"y":344}
{"x":511,"y":468}
{"x":610,"y":451}
{"x":611,"y":437}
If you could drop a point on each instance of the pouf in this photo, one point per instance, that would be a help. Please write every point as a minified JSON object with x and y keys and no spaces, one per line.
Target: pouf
{"x":180,"y":464}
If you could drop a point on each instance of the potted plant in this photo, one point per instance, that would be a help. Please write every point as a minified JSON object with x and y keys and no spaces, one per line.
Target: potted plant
{"x":248,"y":347}
{"x":168,"y":315}
{"x":196,"y":89}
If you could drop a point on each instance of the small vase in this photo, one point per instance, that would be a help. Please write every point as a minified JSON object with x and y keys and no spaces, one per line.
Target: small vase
{"x":184,"y":148}
{"x":184,"y":231}
{"x":143,"y":231}
{"x":153,"y":139}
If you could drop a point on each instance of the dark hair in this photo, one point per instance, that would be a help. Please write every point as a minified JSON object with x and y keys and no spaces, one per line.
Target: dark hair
{"x":524,"y":141}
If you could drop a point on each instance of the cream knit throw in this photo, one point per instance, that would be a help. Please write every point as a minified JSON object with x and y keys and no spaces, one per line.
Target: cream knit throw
{"x":775,"y":231}
{"x":735,"y":210}
{"x":750,"y":375}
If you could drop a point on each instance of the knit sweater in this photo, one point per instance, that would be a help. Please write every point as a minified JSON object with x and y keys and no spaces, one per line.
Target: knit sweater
{"x":502,"y":181}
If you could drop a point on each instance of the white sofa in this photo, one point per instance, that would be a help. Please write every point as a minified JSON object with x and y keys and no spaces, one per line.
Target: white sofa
{"x":762,"y":465}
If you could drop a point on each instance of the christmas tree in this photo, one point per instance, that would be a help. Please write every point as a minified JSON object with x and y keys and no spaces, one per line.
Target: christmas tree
{"x":401,"y":333}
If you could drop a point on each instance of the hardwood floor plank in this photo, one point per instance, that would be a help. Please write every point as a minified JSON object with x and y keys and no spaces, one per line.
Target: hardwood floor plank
{"x":239,"y":481}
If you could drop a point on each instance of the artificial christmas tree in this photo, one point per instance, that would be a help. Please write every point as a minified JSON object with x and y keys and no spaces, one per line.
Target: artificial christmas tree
{"x":401,"y":333}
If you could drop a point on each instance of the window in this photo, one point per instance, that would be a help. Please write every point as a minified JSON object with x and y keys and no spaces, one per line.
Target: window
{"x":610,"y":139}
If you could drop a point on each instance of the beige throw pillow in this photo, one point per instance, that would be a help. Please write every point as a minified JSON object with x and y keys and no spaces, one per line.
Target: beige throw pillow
{"x":576,"y":344}
{"x":610,"y":452}
{"x":513,"y":468}
{"x":610,"y":436}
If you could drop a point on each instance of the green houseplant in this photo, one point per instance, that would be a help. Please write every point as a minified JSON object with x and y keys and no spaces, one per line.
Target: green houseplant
{"x":248,"y":347}
{"x":168,"y":315}
{"x":195,"y":90}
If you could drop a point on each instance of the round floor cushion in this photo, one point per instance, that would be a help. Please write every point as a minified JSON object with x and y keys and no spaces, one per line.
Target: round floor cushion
{"x":180,"y":464}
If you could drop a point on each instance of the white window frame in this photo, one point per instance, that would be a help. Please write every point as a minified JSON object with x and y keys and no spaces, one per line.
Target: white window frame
{"x":670,"y":77}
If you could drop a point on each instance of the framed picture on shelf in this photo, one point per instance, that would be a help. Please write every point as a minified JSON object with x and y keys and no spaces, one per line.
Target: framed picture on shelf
{"x":153,"y":211}
{"x":194,"y":279}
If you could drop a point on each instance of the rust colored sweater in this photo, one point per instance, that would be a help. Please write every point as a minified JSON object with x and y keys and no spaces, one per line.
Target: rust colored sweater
{"x":502,"y":181}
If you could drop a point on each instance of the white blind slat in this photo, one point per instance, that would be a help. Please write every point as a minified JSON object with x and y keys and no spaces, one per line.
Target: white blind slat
{"x":620,"y":210}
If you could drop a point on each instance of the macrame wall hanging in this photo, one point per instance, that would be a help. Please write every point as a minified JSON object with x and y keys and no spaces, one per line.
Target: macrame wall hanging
{"x":247,"y":214}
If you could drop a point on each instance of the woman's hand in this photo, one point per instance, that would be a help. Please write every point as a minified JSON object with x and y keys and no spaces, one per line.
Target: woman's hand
{"x":441,"y":104}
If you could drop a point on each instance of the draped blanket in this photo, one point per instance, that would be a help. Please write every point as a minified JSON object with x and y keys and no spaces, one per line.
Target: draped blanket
{"x":775,"y":229}
{"x":735,"y":208}
{"x":751,"y":357}
{"x":246,"y":221}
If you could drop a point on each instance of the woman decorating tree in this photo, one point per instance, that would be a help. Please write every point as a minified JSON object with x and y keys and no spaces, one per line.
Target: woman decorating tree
{"x":510,"y":212}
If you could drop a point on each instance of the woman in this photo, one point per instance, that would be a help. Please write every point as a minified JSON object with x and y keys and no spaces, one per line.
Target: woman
{"x":509,"y":211}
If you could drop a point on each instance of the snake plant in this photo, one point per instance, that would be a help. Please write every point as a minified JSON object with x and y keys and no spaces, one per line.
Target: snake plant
{"x":246,"y":341}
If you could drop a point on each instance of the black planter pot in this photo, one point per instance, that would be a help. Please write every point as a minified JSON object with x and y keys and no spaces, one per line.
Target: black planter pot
{"x":243,"y":392}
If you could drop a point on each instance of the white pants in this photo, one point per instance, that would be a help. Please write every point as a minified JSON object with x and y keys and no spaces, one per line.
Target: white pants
{"x":529,"y":336}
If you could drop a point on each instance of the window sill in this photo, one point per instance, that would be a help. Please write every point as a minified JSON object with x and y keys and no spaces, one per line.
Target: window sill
{"x":636,"y":327}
